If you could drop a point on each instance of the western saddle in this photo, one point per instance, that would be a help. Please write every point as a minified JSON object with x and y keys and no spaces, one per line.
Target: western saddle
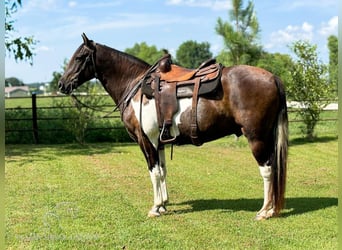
{"x":167,"y":82}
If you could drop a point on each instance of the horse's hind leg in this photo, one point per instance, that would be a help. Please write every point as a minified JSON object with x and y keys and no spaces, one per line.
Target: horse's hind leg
{"x":267,"y":209}
{"x":262,"y":151}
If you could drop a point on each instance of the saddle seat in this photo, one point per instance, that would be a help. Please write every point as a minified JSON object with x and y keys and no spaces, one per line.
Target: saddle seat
{"x":177,"y":74}
{"x":180,"y":74}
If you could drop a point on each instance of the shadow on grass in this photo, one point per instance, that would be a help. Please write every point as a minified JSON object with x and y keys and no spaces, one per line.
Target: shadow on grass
{"x":302,"y":141}
{"x":53,"y":152}
{"x":294,"y":206}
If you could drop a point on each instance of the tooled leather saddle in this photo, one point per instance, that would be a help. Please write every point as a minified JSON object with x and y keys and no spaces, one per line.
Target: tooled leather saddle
{"x":168,"y":82}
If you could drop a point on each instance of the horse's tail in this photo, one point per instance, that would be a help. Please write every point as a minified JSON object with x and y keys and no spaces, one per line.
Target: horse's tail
{"x":279,"y":163}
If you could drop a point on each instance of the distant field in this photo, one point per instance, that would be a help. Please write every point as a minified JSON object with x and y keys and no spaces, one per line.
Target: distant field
{"x":42,"y":101}
{"x":97,"y":197}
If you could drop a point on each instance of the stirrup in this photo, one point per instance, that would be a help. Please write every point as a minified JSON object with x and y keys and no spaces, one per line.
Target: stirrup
{"x":165,"y":141}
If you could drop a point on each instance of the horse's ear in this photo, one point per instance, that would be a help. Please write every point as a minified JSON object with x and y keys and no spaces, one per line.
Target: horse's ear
{"x":86,"y":41}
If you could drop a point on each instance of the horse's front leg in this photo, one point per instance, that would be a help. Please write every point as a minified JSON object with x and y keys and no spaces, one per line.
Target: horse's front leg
{"x":163,"y":186}
{"x":158,"y":178}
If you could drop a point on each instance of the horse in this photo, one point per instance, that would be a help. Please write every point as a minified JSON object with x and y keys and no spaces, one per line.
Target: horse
{"x":250,"y":101}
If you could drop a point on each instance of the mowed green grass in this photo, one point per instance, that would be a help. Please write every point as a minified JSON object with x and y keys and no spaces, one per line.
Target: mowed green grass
{"x":97,"y":197}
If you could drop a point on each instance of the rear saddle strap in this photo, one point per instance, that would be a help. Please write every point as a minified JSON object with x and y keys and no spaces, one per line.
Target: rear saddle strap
{"x":194,"y":126}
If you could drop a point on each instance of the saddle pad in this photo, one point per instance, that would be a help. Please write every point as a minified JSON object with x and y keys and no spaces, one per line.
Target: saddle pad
{"x":186,"y":90}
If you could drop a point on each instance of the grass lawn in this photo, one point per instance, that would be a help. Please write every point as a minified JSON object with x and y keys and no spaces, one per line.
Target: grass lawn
{"x":97,"y":197}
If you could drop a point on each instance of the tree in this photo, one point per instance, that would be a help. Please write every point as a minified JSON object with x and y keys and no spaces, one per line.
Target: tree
{"x":310,"y":86}
{"x":149,"y":54}
{"x":13,"y":81}
{"x":279,"y":64}
{"x":56,"y":75}
{"x":83,"y":113}
{"x":240,"y":37}
{"x":22,"y":48}
{"x":333,"y":59}
{"x":191,"y":54}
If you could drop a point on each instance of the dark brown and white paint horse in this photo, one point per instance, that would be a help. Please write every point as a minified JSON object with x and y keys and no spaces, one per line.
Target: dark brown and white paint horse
{"x":251,"y":101}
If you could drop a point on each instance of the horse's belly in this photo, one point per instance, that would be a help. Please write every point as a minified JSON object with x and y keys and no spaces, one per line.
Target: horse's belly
{"x":211,"y":126}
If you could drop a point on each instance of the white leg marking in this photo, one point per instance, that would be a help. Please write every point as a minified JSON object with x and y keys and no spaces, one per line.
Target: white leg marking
{"x":267,"y":209}
{"x":155,"y":175}
{"x":163,"y":173}
{"x":159,"y":191}
{"x":158,"y":178}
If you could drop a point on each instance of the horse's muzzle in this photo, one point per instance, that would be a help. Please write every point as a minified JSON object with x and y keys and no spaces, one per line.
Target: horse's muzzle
{"x":65,"y":88}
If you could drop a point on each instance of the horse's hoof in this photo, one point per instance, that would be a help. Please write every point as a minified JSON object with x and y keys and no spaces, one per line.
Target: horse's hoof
{"x":265,"y":216}
{"x":259,"y":217}
{"x":153,"y":214}
{"x":162,"y":210}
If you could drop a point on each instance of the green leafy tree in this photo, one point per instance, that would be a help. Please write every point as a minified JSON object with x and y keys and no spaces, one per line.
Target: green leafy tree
{"x":56,"y":75}
{"x":279,"y":64}
{"x":333,"y":59}
{"x":149,"y":54}
{"x":53,"y":86}
{"x":13,"y":81}
{"x":191,"y":54}
{"x":240,"y":36}
{"x":82,"y":114}
{"x":310,"y":85}
{"x":22,"y":48}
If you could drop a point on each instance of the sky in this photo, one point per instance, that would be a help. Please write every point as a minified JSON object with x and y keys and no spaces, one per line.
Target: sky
{"x":58,"y":25}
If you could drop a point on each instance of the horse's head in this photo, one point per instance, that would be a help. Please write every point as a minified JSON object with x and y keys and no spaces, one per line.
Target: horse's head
{"x":81,"y":67}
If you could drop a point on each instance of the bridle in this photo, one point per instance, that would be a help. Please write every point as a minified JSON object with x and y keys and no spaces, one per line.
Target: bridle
{"x":90,"y":57}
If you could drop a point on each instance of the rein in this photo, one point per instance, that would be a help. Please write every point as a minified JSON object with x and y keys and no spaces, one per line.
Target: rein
{"x":125,"y":100}
{"x":77,"y":101}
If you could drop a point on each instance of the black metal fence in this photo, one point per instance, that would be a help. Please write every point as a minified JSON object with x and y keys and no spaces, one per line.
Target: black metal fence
{"x":37,"y":119}
{"x":35,"y":123}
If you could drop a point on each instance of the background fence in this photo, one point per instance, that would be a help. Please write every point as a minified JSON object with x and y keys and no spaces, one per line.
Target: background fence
{"x":51,"y":119}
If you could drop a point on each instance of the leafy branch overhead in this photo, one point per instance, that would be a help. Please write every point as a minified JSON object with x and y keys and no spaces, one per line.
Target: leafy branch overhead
{"x":22,"y":48}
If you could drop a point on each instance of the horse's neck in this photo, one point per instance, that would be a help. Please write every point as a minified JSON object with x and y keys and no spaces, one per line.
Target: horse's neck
{"x":118,"y":71}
